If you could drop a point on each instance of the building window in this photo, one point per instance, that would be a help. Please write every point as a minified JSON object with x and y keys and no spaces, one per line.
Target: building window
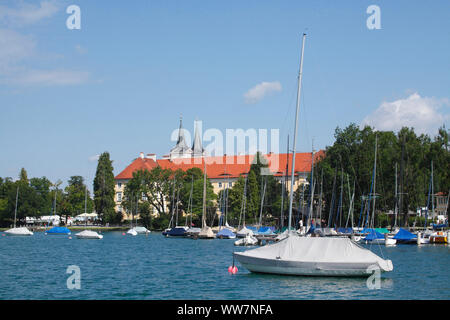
{"x":119,"y":209}
{"x":230,"y":184}
{"x":220,"y":184}
{"x":119,"y":196}
{"x":119,"y":185}
{"x":144,"y":197}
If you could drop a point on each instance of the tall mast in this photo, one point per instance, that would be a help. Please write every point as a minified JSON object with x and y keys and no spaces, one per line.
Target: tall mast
{"x":85,"y":199}
{"x":295,"y":132}
{"x":374,"y":179}
{"x":311,"y":187}
{"x":396,"y":198}
{"x":204,"y":195}
{"x":15,"y":210}
{"x":432,"y":191}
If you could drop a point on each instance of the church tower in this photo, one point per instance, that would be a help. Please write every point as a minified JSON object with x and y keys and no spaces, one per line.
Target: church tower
{"x":197,"y":149}
{"x":181,"y":149}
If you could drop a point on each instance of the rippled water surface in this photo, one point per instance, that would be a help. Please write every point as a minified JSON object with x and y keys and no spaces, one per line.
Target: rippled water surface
{"x":155,"y":267}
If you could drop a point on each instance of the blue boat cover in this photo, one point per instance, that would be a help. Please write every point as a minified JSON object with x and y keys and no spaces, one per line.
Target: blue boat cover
{"x":403,"y":234}
{"x":59,"y":230}
{"x":254,"y":229}
{"x":367,"y":230}
{"x":345,"y":230}
{"x":382,"y":230}
{"x":177,"y":232}
{"x":225,"y":232}
{"x":265,"y":230}
{"x":439,"y":226}
{"x":374,"y":235}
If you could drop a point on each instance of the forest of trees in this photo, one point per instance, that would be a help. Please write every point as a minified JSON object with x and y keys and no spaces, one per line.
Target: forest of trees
{"x":349,"y":162}
{"x":38,"y":197}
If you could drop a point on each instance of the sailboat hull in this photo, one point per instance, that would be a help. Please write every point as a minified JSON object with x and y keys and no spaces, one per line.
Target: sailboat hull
{"x":313,"y":256}
{"x":261,"y":265}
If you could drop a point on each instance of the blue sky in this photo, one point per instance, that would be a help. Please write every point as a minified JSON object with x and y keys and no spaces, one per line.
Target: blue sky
{"x":120,"y":83}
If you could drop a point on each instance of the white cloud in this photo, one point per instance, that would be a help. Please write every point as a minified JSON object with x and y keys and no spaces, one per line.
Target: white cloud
{"x":50,"y":77}
{"x":26,"y":13}
{"x":94,"y":158}
{"x":18,"y":51}
{"x":424,"y":114}
{"x":258,"y":92}
{"x":13,"y":48}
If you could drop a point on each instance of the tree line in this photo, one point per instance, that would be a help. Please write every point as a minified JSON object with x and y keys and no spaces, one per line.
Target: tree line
{"x":344,"y":173}
{"x":38,"y":197}
{"x":404,"y":158}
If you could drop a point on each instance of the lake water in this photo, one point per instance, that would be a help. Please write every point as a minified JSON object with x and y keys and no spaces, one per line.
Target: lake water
{"x":155,"y":267}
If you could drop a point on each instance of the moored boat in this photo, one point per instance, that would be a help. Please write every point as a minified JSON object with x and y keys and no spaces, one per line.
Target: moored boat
{"x":21,"y":231}
{"x":313,"y":256}
{"x":88,"y":234}
{"x":58,"y":231}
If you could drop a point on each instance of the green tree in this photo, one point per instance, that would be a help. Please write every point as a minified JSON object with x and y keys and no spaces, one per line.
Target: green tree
{"x":104,"y":190}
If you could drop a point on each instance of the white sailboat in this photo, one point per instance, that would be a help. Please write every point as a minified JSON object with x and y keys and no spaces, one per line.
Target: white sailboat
{"x":21,"y":231}
{"x":87,"y":234}
{"x":321,"y":256}
{"x":206,"y":231}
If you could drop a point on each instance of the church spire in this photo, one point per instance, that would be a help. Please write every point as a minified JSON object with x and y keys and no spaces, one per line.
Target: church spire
{"x":181,"y":149}
{"x":197,"y":149}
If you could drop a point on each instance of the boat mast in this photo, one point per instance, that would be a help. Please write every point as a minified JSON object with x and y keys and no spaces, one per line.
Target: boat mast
{"x":283,"y":184}
{"x":374,"y":180}
{"x":204,"y":195}
{"x":262,"y":203}
{"x":311,"y":187}
{"x":15,"y":210}
{"x":295,"y":133}
{"x":432,"y":192}
{"x":396,"y":198}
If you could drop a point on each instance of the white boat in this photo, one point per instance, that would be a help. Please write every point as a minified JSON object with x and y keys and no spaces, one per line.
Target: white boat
{"x":390,"y":242}
{"x":319,"y":256}
{"x":21,"y":231}
{"x":244,"y":232}
{"x":313,"y":256}
{"x":249,"y":240}
{"x":193,"y":231}
{"x":141,"y":230}
{"x":132,"y":232}
{"x":88,"y":234}
{"x":206,"y":233}
{"x":422,"y":238}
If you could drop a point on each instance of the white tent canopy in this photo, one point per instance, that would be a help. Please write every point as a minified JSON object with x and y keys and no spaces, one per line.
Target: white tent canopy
{"x":85,"y":216}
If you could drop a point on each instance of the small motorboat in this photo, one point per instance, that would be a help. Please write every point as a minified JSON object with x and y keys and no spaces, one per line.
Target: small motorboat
{"x":225,"y":233}
{"x":58,"y":231}
{"x":132,"y":232}
{"x":244,"y":232}
{"x":141,"y":230}
{"x":89,"y":234}
{"x":177,"y":232}
{"x":22,"y":231}
{"x":249,"y":240}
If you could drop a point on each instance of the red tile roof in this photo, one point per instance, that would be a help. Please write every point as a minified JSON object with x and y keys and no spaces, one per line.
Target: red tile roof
{"x":137,"y":164}
{"x":225,"y":166}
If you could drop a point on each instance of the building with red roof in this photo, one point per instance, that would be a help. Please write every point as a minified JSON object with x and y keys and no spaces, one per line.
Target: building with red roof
{"x":222,"y":171}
